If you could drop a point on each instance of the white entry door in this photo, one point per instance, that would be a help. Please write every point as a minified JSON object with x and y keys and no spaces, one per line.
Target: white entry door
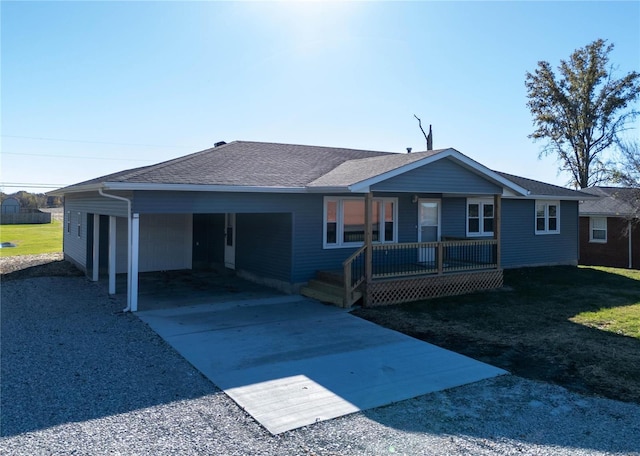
{"x":230,"y":241}
{"x":428,"y":227}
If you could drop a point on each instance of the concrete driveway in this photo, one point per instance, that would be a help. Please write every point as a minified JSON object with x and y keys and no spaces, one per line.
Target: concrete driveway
{"x":290,"y":361}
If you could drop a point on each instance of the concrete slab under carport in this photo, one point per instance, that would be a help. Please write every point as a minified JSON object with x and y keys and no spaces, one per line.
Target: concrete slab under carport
{"x":291,"y":361}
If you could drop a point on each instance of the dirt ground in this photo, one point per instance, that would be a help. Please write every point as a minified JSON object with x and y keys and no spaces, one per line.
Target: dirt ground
{"x":527,"y":329}
{"x":44,"y":265}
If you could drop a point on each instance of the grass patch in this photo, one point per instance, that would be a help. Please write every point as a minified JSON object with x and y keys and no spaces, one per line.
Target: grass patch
{"x":623,"y":320}
{"x":31,"y":239}
{"x":577,"y":327}
{"x":619,"y":320}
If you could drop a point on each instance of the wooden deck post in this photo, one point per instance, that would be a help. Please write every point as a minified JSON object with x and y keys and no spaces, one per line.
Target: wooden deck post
{"x":368,"y":240}
{"x":497,"y":222}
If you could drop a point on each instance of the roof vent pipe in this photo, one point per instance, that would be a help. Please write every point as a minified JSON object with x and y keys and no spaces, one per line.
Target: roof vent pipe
{"x":219,"y":143}
{"x":408,"y":150}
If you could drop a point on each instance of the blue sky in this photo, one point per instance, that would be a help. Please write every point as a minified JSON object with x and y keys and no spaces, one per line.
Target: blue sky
{"x":90,"y":88}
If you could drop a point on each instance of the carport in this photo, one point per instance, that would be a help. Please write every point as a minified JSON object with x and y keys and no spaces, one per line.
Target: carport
{"x":291,"y":361}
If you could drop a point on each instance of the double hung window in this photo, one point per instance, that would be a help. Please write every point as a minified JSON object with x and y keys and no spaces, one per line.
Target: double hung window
{"x":547,"y":217}
{"x":480,"y":217}
{"x":344,"y":221}
{"x":598,"y":229}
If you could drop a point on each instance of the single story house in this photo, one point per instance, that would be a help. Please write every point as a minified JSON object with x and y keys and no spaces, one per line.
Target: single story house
{"x":609,"y":228}
{"x":394,"y":226}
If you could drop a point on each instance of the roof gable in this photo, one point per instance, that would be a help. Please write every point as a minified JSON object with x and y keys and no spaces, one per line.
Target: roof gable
{"x":360,"y":175}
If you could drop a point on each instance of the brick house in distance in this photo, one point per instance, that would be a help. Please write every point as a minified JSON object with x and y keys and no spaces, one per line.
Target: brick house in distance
{"x":609,"y":234}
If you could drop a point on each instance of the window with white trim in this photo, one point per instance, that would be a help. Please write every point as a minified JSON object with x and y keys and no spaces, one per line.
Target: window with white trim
{"x":598,"y":229}
{"x":344,"y":222}
{"x":480,"y":217}
{"x":547,"y":217}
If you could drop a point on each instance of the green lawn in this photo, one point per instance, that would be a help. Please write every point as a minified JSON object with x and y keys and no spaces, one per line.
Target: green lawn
{"x":31,"y":239}
{"x":623,"y":320}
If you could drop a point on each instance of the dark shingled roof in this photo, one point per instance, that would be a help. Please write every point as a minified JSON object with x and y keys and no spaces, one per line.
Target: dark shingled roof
{"x":357,"y":170}
{"x":612,"y":201}
{"x":285,"y":166}
{"x":244,"y":163}
{"x":537,"y":188}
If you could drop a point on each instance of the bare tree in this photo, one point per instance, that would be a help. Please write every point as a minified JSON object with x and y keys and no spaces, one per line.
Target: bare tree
{"x":428,"y":138}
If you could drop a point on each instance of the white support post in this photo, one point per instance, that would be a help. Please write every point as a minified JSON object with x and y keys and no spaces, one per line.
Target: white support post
{"x":135,"y":247}
{"x":630,"y":245}
{"x":112,"y":255}
{"x":368,"y":241}
{"x":95,"y":273}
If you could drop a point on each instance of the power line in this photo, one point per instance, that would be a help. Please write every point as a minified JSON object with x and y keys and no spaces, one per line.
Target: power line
{"x":30,"y":185}
{"x":94,"y":142}
{"x":77,"y":157}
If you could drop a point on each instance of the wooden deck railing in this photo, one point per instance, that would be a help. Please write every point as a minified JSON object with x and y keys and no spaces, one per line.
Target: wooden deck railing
{"x":419,"y":258}
{"x":354,"y":274}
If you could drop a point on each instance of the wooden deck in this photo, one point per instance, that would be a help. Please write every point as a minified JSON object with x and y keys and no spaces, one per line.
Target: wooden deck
{"x":398,"y":287}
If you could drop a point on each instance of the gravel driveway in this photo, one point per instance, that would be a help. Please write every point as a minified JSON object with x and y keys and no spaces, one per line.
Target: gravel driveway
{"x":80,"y":377}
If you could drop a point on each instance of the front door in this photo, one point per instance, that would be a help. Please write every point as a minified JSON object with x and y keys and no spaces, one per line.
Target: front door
{"x":428,"y":228}
{"x":230,"y":241}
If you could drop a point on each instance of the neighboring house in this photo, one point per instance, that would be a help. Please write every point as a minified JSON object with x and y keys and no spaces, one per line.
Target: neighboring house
{"x":609,"y":235}
{"x":396,"y":226}
{"x":10,"y":205}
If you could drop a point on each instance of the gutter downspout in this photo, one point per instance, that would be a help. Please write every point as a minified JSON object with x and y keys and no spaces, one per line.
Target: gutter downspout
{"x":129,"y":261}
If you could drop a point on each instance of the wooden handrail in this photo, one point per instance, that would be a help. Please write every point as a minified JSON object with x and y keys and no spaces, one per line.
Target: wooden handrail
{"x":349,"y":284}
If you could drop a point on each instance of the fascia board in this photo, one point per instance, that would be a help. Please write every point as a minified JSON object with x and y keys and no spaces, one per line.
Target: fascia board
{"x":560,"y":198}
{"x":327,"y":189}
{"x":75,"y":189}
{"x":199,"y":188}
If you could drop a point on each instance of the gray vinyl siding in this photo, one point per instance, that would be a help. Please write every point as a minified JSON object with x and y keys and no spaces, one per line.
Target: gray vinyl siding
{"x":263,"y":245}
{"x":522,"y":247}
{"x":217,"y":202}
{"x":442,"y":176}
{"x":407,"y":217}
{"x":95,"y":204}
{"x":309,"y":255}
{"x":165,"y":242}
{"x":75,"y":247}
{"x":454,"y":217}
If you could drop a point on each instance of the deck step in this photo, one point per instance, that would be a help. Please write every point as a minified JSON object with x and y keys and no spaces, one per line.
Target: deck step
{"x":322,"y":296}
{"x":327,"y":292}
{"x":333,"y":277}
{"x":330,"y":288}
